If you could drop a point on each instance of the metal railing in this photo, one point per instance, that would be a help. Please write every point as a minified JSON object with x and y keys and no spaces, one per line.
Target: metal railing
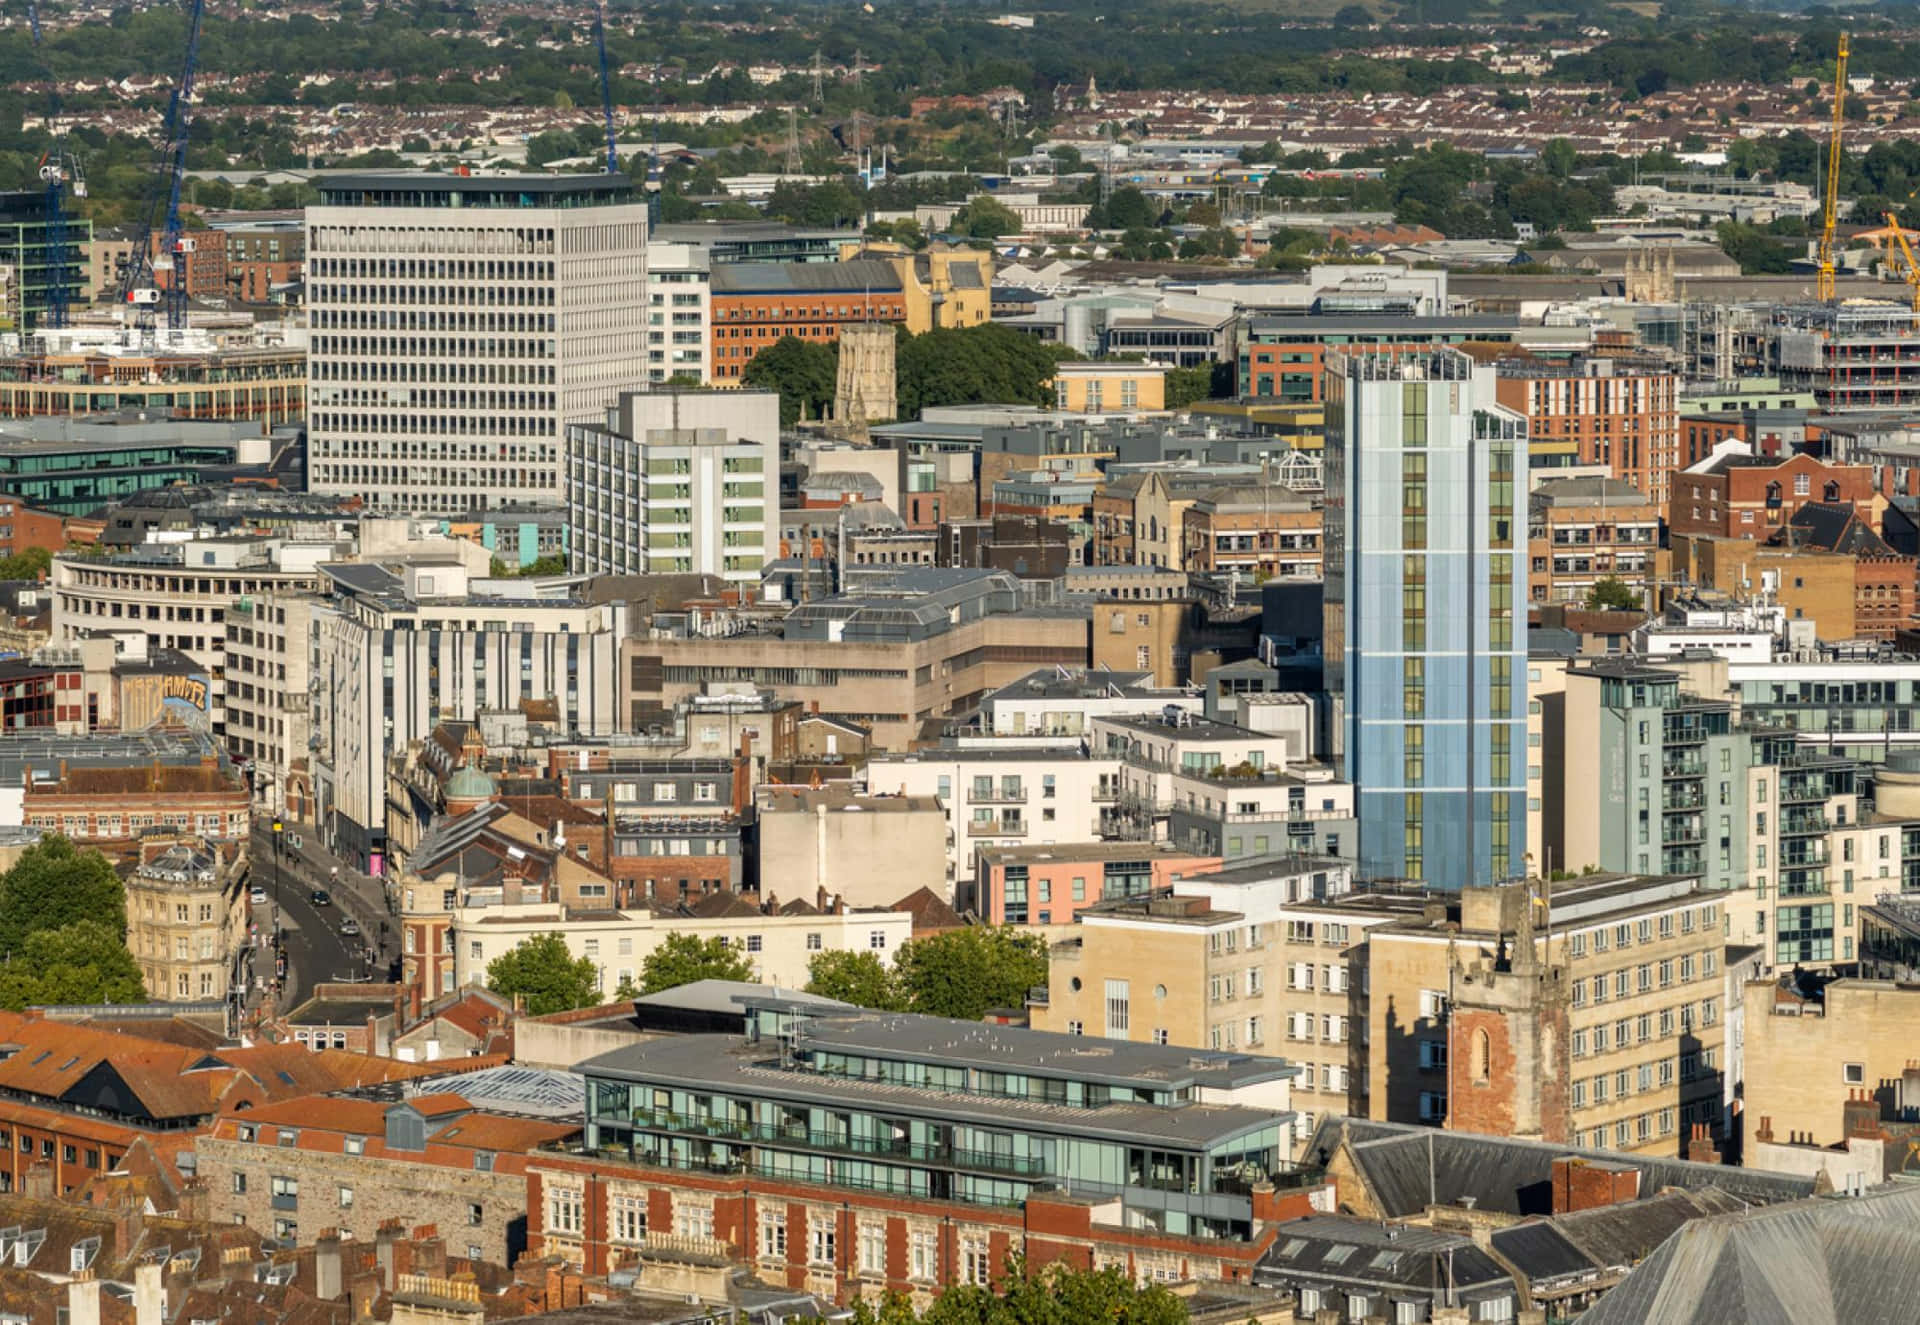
{"x":839,"y":1143}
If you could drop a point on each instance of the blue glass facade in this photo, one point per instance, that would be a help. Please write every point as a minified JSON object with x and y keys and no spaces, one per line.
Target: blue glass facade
{"x":1426,"y":615}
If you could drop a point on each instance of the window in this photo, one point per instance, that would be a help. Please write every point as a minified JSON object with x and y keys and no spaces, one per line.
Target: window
{"x":820,"y":1240}
{"x":346,"y":1198}
{"x":773,"y":1234}
{"x":1116,"y":1010}
{"x":692,"y":1221}
{"x":753,"y":943}
{"x":564,"y":1209}
{"x":976,"y":1263}
{"x":476,"y":1214}
{"x":923,"y":1260}
{"x":877,"y":940}
{"x":286,"y":1189}
{"x":1853,"y":1074}
{"x":1074,"y":1028}
{"x":239,"y":1183}
{"x":873,"y":1249}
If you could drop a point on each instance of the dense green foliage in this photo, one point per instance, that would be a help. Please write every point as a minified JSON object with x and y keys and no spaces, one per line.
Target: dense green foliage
{"x":1055,"y":1295}
{"x":63,"y":926}
{"x":1612,"y":594}
{"x":964,"y":972}
{"x":28,"y":565}
{"x":804,"y":372}
{"x":857,"y":977}
{"x":960,"y":366}
{"x":684,"y":958}
{"x":545,"y":973}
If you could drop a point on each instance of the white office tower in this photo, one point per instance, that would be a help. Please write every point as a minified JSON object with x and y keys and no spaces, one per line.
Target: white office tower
{"x":677,"y":482}
{"x":459,"y":323}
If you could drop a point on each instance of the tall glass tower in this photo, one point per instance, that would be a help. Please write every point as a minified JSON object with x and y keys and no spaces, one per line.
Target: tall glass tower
{"x":1426,"y":480}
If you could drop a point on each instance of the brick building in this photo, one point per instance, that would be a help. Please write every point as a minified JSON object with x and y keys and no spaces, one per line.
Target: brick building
{"x":1261,"y":530}
{"x":692,"y":1146}
{"x":111,"y":807}
{"x":757,"y":303}
{"x":1621,"y":413}
{"x":1584,"y":530}
{"x":1808,"y":585}
{"x":261,"y":259}
{"x":351,"y":1161}
{"x":1747,"y":496}
{"x":1883,"y":580}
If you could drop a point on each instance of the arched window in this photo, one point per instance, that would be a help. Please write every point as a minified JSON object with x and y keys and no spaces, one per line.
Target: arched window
{"x":1482,"y":1056}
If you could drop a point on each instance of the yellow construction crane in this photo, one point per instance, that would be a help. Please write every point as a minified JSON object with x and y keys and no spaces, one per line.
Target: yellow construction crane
{"x":1829,"y":215}
{"x":1900,"y":257}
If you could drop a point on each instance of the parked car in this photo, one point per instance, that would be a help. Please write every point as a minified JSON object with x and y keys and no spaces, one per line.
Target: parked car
{"x":258,"y":896}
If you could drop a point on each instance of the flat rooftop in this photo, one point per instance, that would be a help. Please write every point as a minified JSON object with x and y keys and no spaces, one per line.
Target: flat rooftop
{"x":738,"y":1067}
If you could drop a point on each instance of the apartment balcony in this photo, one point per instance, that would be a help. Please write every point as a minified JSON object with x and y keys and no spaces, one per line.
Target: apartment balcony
{"x":1806,"y":854}
{"x":1689,"y":830}
{"x":1803,"y":883}
{"x":996,"y":828}
{"x":1683,"y":766}
{"x":998,"y":796}
{"x":1794,"y":823}
{"x":1684,"y":862}
{"x":1683,"y":798}
{"x":838,"y":1143}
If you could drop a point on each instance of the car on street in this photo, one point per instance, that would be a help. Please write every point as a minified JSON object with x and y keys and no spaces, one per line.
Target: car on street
{"x":258,"y":896}
{"x":348,"y":928}
{"x":320,"y":897}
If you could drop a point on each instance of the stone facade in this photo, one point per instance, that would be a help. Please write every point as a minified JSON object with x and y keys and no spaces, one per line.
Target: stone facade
{"x":482,"y":1214}
{"x":187,"y":916}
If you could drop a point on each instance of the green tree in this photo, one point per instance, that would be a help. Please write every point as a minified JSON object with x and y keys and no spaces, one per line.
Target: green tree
{"x":803,"y":372}
{"x":968,"y":365}
{"x":1186,"y":385}
{"x":85,"y":962}
{"x":28,"y":565}
{"x":1612,"y":594}
{"x":963,"y":972}
{"x":684,"y":958}
{"x":1130,"y":209}
{"x":546,"y":974}
{"x":55,"y":884}
{"x":1558,"y":158}
{"x":855,"y":976}
{"x":1055,"y":1295}
{"x":551,"y":564}
{"x":986,"y":218}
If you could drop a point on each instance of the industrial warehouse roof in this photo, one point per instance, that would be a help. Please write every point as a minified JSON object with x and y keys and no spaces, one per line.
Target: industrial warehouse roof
{"x":859,"y":276}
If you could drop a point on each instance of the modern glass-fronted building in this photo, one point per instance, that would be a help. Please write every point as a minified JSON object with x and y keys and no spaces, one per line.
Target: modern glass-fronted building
{"x":1426,"y":614}
{"x":24,"y":247}
{"x":947,"y":1110}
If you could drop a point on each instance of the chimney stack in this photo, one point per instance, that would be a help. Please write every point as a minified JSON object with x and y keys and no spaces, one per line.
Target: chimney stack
{"x":148,"y":1298}
{"x":83,"y":1299}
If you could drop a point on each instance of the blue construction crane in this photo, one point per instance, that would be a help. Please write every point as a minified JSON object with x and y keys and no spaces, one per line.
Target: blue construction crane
{"x":59,"y":171}
{"x":606,"y":84}
{"x":140,"y":286}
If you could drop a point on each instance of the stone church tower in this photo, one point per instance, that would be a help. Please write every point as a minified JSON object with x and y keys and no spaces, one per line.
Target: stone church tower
{"x":1507,"y":1051}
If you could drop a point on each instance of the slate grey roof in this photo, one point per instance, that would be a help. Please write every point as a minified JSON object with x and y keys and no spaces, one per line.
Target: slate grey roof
{"x":1625,"y":1235}
{"x":857,"y":276}
{"x":1408,"y":1168}
{"x":1541,"y":1252}
{"x":1823,"y":1261}
{"x":1360,"y":1254}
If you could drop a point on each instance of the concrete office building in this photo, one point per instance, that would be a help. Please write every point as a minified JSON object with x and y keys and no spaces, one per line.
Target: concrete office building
{"x":397,"y":651}
{"x":679,"y":312}
{"x":459,"y":323}
{"x":1426,"y":614}
{"x":676,"y":482}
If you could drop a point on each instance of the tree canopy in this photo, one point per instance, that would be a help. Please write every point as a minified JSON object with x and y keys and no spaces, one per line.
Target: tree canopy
{"x":964,"y":972}
{"x":804,"y":372}
{"x":545,"y":973}
{"x":1056,"y":1295}
{"x":84,"y":962}
{"x":1612,"y":594}
{"x":967,"y":365}
{"x":856,"y":976}
{"x":685,"y":958}
{"x":55,"y":884}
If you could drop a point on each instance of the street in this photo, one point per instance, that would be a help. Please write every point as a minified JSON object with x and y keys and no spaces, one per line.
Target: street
{"x":316,"y":951}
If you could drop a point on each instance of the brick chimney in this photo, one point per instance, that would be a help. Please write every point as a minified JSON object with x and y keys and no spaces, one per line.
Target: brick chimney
{"x":429,"y":1252}
{"x":1860,"y":1115}
{"x":1700,"y":1146}
{"x":83,"y":1299}
{"x":1588,"y":1184}
{"x":384,"y":1239}
{"x":37,"y":1183}
{"x":1764,"y":1133}
{"x":363,"y":1290}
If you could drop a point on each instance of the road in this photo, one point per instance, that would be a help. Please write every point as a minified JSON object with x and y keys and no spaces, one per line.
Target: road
{"x":316,"y":951}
